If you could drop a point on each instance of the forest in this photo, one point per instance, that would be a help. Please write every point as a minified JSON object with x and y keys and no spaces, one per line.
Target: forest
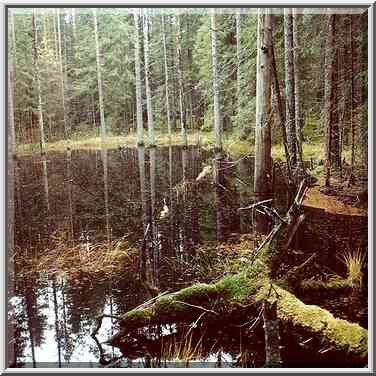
{"x":187,"y":187}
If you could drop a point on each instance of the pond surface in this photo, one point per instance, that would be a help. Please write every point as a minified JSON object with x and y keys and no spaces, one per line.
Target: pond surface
{"x":99,"y":196}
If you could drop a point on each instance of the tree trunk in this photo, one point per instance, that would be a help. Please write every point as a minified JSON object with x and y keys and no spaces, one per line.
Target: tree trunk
{"x":299,"y":118}
{"x":216,"y":114}
{"x":168,"y":111}
{"x":281,"y":111}
{"x":62,"y":80}
{"x":37,"y":82}
{"x":331,"y":111}
{"x":356,"y":36}
{"x":140,"y":123}
{"x":181,"y":84}
{"x":290,"y":85}
{"x":99,"y":78}
{"x":238,"y":63}
{"x":272,"y":339}
{"x":263,"y":161}
{"x":147,"y":81}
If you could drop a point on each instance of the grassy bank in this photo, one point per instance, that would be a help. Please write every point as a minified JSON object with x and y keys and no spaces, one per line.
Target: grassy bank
{"x":232,"y":144}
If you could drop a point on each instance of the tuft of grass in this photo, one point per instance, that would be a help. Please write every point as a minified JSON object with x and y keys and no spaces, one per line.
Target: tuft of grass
{"x":182,"y":348}
{"x":354,"y":262}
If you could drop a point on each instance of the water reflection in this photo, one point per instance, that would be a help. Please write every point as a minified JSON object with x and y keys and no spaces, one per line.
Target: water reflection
{"x":150,"y":197}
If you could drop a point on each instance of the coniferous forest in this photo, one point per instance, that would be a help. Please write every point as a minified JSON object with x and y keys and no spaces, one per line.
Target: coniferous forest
{"x":187,"y":187}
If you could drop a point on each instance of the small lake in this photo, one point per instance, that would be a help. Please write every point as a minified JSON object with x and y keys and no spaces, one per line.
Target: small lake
{"x":105,"y":195}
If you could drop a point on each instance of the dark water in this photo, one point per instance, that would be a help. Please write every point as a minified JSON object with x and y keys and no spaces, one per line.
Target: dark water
{"x":94,"y":196}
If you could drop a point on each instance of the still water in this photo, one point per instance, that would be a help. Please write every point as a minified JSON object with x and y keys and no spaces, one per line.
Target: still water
{"x":104,"y":195}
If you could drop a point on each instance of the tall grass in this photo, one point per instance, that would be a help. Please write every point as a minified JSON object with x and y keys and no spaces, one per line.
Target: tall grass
{"x":354,"y":262}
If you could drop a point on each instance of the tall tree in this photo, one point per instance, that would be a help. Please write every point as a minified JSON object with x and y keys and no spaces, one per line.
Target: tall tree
{"x":216,"y":109}
{"x":299,"y":119}
{"x":290,"y":84}
{"x":148,"y":81}
{"x":281,"y":109}
{"x":263,"y":161}
{"x":42,"y":139}
{"x":238,"y":62}
{"x":168,"y":111}
{"x":332,"y":156}
{"x":183,"y":118}
{"x":356,"y":51}
{"x":99,"y":78}
{"x":218,"y":171}
{"x":137,"y":63}
{"x":62,"y":75}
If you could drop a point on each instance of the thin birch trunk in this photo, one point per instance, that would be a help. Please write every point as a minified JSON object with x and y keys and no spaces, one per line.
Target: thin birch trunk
{"x":99,"y":76}
{"x":168,"y":110}
{"x":37,"y":82}
{"x":140,"y":124}
{"x":62,"y":80}
{"x":263,"y":161}
{"x":296,"y":21}
{"x":181,"y":84}
{"x":147,"y":82}
{"x":281,"y":111}
{"x":216,"y":115}
{"x":331,"y":100}
{"x":238,"y":63}
{"x":355,"y":84}
{"x":290,"y":86}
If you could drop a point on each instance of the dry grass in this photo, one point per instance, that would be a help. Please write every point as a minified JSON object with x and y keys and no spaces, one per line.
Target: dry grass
{"x":102,"y":259}
{"x":354,"y":261}
{"x":182,"y":348}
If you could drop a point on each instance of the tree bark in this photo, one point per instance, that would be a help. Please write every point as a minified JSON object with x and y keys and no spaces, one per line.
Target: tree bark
{"x":147,"y":81}
{"x":263,"y":161}
{"x":183,"y":117}
{"x":139,"y":120}
{"x":238,"y":63}
{"x":281,"y":112}
{"x":37,"y":82}
{"x":62,"y":80}
{"x":99,"y":78}
{"x":216,"y":114}
{"x":299,"y":118}
{"x":290,"y":85}
{"x":272,"y":339}
{"x":168,"y":110}
{"x":331,"y":100}
{"x":355,"y":83}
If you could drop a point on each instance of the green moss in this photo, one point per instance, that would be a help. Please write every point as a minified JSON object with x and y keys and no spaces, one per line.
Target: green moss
{"x":333,"y":284}
{"x":136,"y":317}
{"x":344,"y":336}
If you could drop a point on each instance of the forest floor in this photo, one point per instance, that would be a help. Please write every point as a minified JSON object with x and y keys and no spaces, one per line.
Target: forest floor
{"x":232,"y":144}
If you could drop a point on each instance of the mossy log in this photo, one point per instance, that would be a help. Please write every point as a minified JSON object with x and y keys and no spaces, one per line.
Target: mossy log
{"x":230,"y":295}
{"x":220,"y":302}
